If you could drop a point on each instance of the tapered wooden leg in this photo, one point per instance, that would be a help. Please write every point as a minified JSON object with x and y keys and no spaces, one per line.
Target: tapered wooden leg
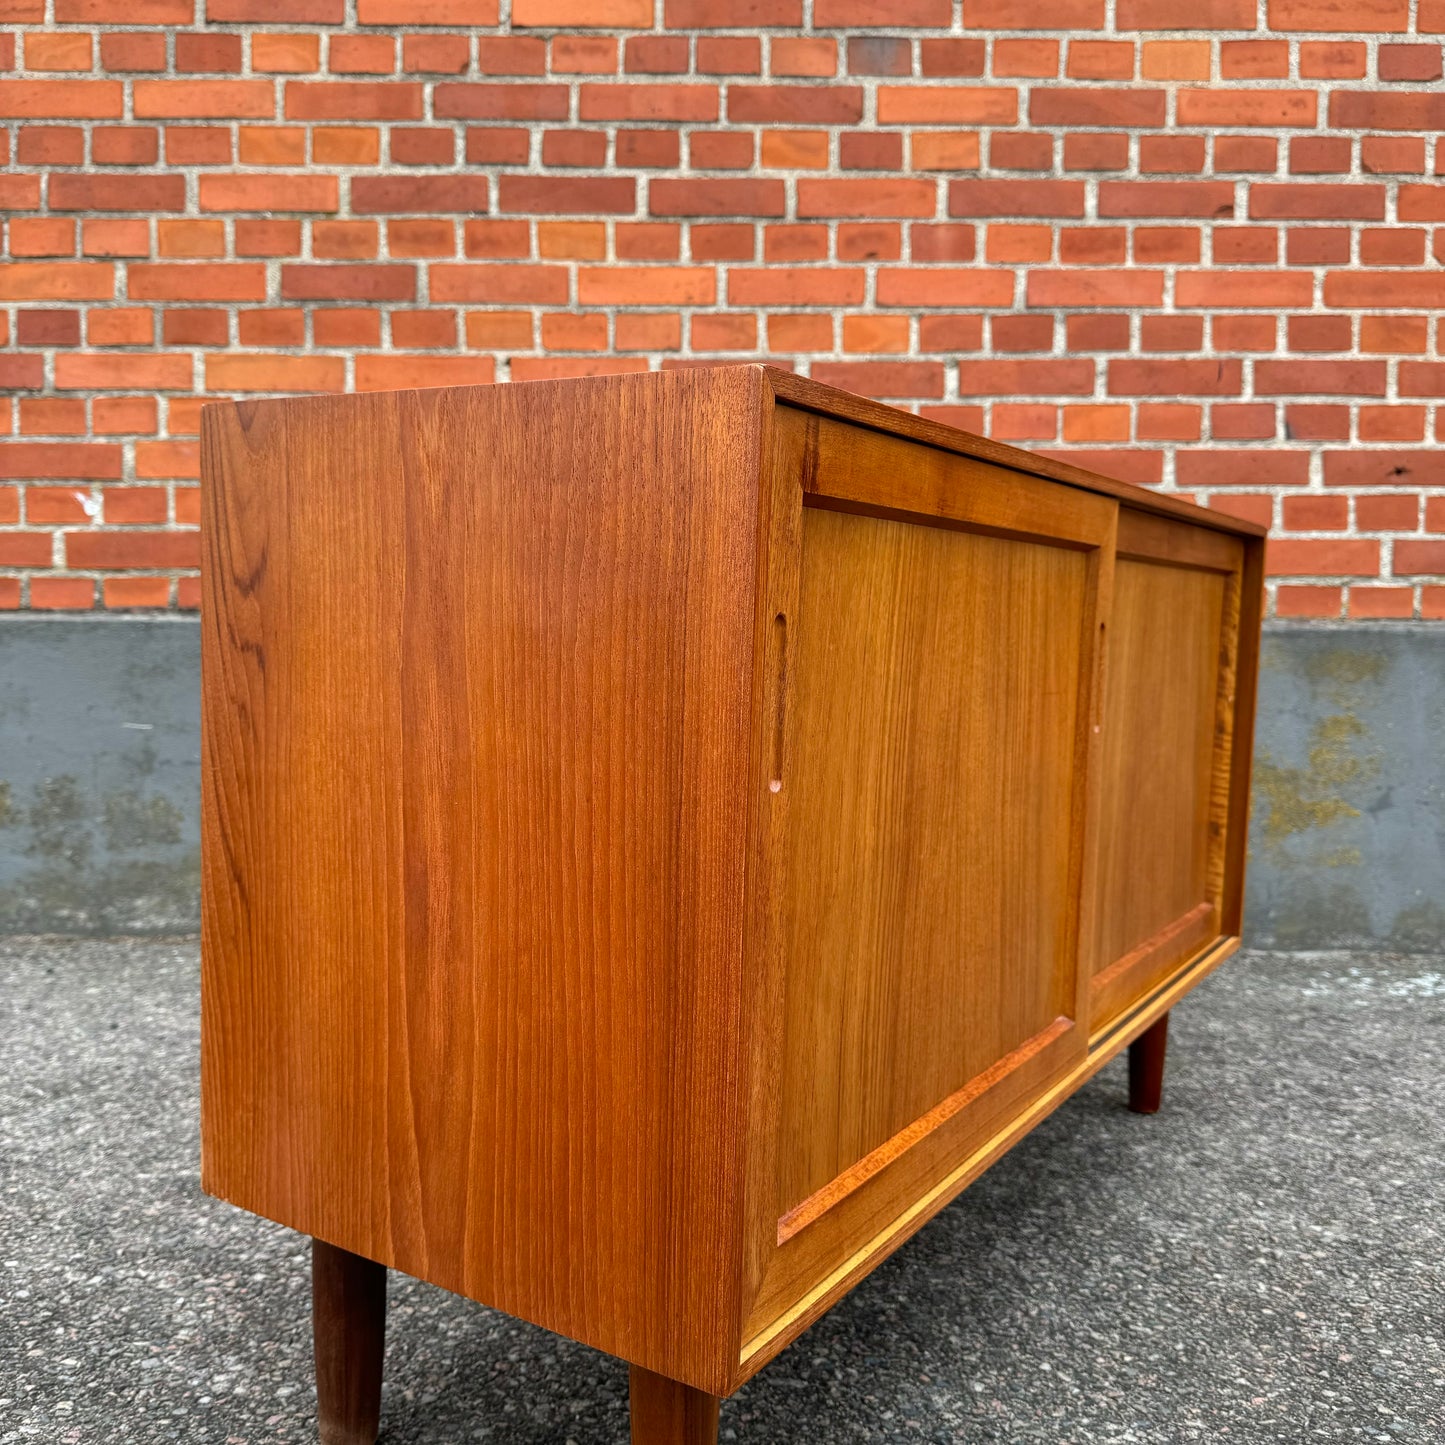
{"x":665,"y":1412}
{"x":1146,"y":1067}
{"x":348,"y":1320}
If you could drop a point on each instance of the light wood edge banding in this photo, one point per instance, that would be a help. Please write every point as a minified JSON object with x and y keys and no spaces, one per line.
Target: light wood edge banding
{"x":768,"y":1343}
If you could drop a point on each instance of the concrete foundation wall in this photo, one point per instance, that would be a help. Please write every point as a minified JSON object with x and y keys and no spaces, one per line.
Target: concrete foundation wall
{"x":100,"y":758}
{"x":1347,"y":841}
{"x":99,"y":774}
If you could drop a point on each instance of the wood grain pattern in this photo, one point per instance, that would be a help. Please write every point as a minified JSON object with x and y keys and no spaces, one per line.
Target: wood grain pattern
{"x":665,"y":1412}
{"x":1146,"y":1067}
{"x":1157,"y":769}
{"x":801,"y":391}
{"x":348,"y":1326}
{"x":1235,"y":820}
{"x":935,"y":690}
{"x":476,"y":674}
{"x":663,"y":836}
{"x":942,"y":636}
{"x":915,"y":1212}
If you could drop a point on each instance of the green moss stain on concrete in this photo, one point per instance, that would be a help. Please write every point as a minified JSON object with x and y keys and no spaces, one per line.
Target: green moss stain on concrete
{"x":1309,"y":799}
{"x":1315,"y":912}
{"x":1419,"y":929}
{"x":1343,"y":672}
{"x":95,"y":867}
{"x":128,"y":897}
{"x":132,"y":821}
{"x":1341,"y":771}
{"x":59,"y":830}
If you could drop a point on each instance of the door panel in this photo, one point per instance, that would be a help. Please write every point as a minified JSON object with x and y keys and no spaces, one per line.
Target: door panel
{"x":932,"y":684}
{"x":935,"y":687}
{"x":1163,"y":765}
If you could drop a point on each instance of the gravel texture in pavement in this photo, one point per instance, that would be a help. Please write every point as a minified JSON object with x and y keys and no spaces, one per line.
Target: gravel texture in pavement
{"x":1264,"y":1260}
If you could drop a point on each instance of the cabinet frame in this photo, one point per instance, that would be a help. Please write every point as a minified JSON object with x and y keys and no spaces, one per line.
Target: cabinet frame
{"x":794,"y":1268}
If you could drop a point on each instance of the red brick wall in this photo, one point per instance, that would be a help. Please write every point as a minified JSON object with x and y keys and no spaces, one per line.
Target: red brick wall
{"x":1206,"y":259}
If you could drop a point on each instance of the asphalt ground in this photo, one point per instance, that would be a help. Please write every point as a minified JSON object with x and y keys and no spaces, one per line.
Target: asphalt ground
{"x":1264,"y":1260}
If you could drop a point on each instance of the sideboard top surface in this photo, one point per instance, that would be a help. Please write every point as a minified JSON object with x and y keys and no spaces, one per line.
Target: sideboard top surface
{"x":816,"y":396}
{"x":812,"y":395}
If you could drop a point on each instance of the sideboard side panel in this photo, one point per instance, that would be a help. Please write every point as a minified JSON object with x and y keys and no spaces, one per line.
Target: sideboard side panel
{"x":477,"y":678}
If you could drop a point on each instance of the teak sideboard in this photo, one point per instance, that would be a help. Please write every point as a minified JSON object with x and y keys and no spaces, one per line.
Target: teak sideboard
{"x":665,"y":835}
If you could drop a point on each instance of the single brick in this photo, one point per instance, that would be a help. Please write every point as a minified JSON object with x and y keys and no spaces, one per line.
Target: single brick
{"x":1298,"y":201}
{"x":1004,"y":376}
{"x":1422,"y":110}
{"x":964,"y":286}
{"x":1217,"y":106}
{"x":1332,"y":60}
{"x":790,"y":104}
{"x":870,"y":241}
{"x":516,"y":284}
{"x":1408,"y":62}
{"x":1037,"y":15}
{"x":1203,"y":199}
{"x":125,"y":145}
{"x":862,"y":150}
{"x":63,"y":99}
{"x":340,"y":241}
{"x":947,"y":105}
{"x":952,"y":57}
{"x":57,"y":281}
{"x":214,"y":53}
{"x":655,"y":55}
{"x":947,"y":150}
{"x":1171,"y":154}
{"x":1096,"y":106}
{"x":1267,"y":289}
{"x":349,"y":99}
{"x":285,"y":54}
{"x":1386,"y":154}
{"x":1185,"y":14}
{"x":750,"y":197}
{"x":436,"y":54}
{"x":1152,"y":377}
{"x":928,"y":14}
{"x":51,"y":145}
{"x":1015,"y":198}
{"x":1351,"y":16}
{"x":583,"y":14}
{"x":408,"y":195}
{"x":202,"y":99}
{"x":1254,"y":59}
{"x":795,"y":286}
{"x":220,"y":281}
{"x":306,"y":192}
{"x":557,"y":195}
{"x":361,"y":54}
{"x":58,"y":50}
{"x":646,"y":286}
{"x":132,"y":51}
{"x":730,"y":14}
{"x":427,"y":12}
{"x":872,"y":197}
{"x":1080,"y":288}
{"x":729,"y":55}
{"x":634,"y":101}
{"x":134,"y":548}
{"x":422,"y":146}
{"x":733,"y":150}
{"x":305,"y":281}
